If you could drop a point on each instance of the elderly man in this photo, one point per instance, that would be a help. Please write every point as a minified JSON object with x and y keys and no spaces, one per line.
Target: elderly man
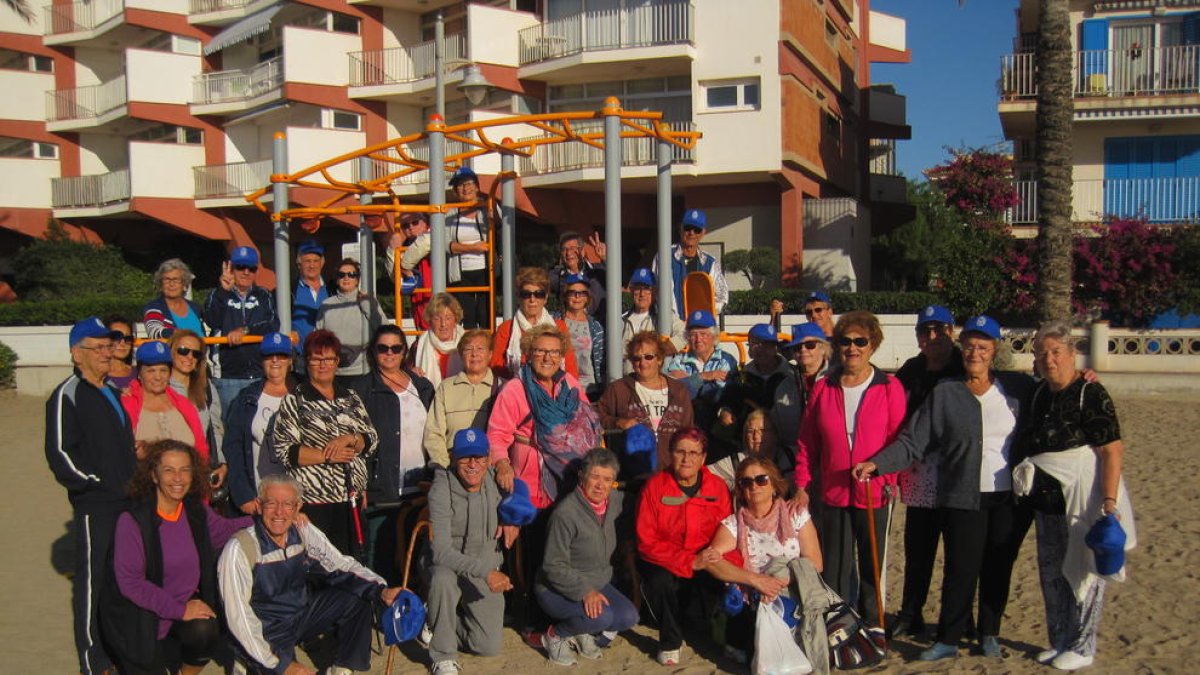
{"x":467,"y":243}
{"x":818,"y":308}
{"x":573,"y":261}
{"x":704,"y":368}
{"x":466,"y":592}
{"x":89,"y":445}
{"x":264,"y":573}
{"x":310,"y":288}
{"x":767,"y":382}
{"x":235,"y":309}
{"x":643,"y":316}
{"x":686,"y":257}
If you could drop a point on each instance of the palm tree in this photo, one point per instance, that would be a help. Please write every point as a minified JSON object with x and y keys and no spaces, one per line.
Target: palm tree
{"x":1055,"y":110}
{"x":21,"y":7}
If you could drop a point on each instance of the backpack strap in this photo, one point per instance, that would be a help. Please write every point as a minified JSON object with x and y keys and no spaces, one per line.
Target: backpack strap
{"x":245,"y":540}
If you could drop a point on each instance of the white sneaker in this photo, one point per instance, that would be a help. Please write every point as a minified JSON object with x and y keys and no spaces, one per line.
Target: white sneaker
{"x":444,"y":668}
{"x":668,"y":657}
{"x":558,"y":649}
{"x":426,"y":636}
{"x":1045,"y":656}
{"x":1071,"y":661}
{"x":585,"y":644}
{"x":338,"y":670}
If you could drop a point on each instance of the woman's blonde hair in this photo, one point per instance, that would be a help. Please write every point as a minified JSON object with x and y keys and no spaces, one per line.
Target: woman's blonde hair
{"x":197,"y":389}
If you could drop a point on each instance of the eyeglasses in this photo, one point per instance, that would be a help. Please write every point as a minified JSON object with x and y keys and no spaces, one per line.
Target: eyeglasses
{"x":477,"y":459}
{"x":347,"y":275}
{"x":640,"y":288}
{"x":323,"y":361}
{"x":809,"y":311}
{"x":274,"y":357}
{"x":642,"y":357}
{"x":273,"y":504}
{"x":690,"y":229}
{"x":246,"y":268}
{"x":688,"y":454}
{"x":759,"y":480}
{"x":474,"y":349}
{"x":844,"y":341}
{"x":394,"y":349}
{"x":540,"y":353}
{"x":540,"y":295}
{"x":577,"y":294}
{"x":184,"y":351}
{"x":811,"y":344}
{"x":118,"y":336}
{"x":932,"y":328}
{"x":105,"y":347}
{"x":172,"y":280}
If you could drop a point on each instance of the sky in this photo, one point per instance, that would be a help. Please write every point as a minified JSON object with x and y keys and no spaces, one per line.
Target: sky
{"x":950,"y":84}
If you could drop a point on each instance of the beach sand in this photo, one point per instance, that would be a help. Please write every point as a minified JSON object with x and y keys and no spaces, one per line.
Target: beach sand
{"x":1145,"y":627}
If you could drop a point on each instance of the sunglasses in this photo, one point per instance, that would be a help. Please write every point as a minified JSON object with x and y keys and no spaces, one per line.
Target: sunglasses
{"x":347,"y":275}
{"x":246,"y":268}
{"x":384,"y":349}
{"x":844,"y":341}
{"x":577,"y":294}
{"x":692,"y":230}
{"x":184,"y":351}
{"x":812,"y":344}
{"x":540,"y":295}
{"x":815,"y":310}
{"x":759,"y":480}
{"x":118,"y":336}
{"x":932,"y":328}
{"x":642,"y":357}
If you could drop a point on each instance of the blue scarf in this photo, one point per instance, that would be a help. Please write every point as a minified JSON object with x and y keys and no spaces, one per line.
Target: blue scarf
{"x":548,"y":411}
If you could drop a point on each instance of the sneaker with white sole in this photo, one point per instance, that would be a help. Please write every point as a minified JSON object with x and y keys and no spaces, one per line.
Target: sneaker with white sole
{"x":585,"y":644}
{"x":444,"y":668}
{"x":558,"y":649}
{"x":338,"y":670}
{"x":1045,"y":656}
{"x":1071,"y":661}
{"x":736,"y":655}
{"x":426,"y":636}
{"x":605,"y":639}
{"x":668,"y":657}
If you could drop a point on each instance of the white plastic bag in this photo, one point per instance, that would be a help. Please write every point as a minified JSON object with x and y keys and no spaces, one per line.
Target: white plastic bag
{"x":775,"y":650}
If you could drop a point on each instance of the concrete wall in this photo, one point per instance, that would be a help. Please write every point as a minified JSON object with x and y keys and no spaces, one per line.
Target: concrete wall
{"x":169,"y":6}
{"x":26,"y":182}
{"x":741,"y":227}
{"x":11,"y":23}
{"x":837,"y":243}
{"x":400,"y":27}
{"x":163,"y":169}
{"x":25,"y":95}
{"x":160,"y":77}
{"x":888,"y":31}
{"x":492,"y":34}
{"x":312,"y":146}
{"x":403,"y":120}
{"x":94,"y":66}
{"x":317,"y":56}
{"x":101,"y":153}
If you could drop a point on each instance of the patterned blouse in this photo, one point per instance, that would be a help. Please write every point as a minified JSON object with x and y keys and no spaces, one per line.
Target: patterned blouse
{"x":1080,"y":414}
{"x":307,"y":418}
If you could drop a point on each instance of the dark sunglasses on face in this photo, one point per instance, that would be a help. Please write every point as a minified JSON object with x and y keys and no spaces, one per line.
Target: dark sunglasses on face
{"x":540,"y":295}
{"x":933,"y":328}
{"x":184,"y":351}
{"x":815,"y":310}
{"x":246,"y":268}
{"x":642,"y":357}
{"x":692,"y":230}
{"x":577,"y":294}
{"x":811,"y":344}
{"x":760,"y":480}
{"x":844,"y":341}
{"x":347,"y":275}
{"x":384,"y":349}
{"x":118,"y":336}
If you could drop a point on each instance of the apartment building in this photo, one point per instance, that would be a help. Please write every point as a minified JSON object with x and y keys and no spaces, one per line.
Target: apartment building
{"x":1136,"y":132}
{"x":148,"y":119}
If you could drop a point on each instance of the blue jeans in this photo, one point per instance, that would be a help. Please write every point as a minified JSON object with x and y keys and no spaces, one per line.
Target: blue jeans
{"x":229,"y":387}
{"x":618,"y":615}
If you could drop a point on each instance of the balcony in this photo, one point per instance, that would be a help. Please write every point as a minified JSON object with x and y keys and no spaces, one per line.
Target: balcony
{"x":1157,"y":200}
{"x":383,"y":69}
{"x":90,"y":192}
{"x":223,"y":12}
{"x":230,"y":91}
{"x":79,"y":21}
{"x":230,"y":181}
{"x":83,"y":107}
{"x":579,"y":161}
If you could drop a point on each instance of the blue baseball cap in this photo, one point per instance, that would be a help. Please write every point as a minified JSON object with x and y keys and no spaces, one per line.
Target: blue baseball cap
{"x":403,"y":619}
{"x":244,"y":255}
{"x":934,"y":313}
{"x":984,"y":325}
{"x":91,"y":327}
{"x":463,"y":174}
{"x":517,"y":508}
{"x":807,"y":331}
{"x":1107,"y":540}
{"x":470,"y":443}
{"x":310,"y":246}
{"x":818,"y":296}
{"x":574,"y":279}
{"x":764,"y":332}
{"x":701,"y":318}
{"x":275,"y":343}
{"x":695,"y":218}
{"x":642,"y":276}
{"x":153,"y":353}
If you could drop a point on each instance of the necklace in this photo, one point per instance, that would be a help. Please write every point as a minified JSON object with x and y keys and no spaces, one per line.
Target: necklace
{"x":396,"y":385}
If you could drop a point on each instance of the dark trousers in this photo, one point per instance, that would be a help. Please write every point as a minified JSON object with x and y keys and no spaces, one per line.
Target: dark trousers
{"x":844,"y":531}
{"x":334,"y":520}
{"x":922,"y":529}
{"x":93,"y":543}
{"x":475,"y":305}
{"x":523,"y":562}
{"x":350,"y":619}
{"x":192,"y":642}
{"x":981,"y":547}
{"x":388,"y":529}
{"x":618,"y":615}
{"x":666,"y":596}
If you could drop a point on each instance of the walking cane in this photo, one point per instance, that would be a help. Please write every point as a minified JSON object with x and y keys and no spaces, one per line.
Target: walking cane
{"x":412,"y":545}
{"x":874,"y":554}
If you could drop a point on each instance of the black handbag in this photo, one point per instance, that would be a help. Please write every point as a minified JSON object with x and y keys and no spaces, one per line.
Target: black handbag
{"x":852,"y":644}
{"x":1045,"y":494}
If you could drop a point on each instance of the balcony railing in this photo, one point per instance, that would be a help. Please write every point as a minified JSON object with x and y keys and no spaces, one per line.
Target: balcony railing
{"x":80,"y":16}
{"x":230,"y":180}
{"x":401,"y":64}
{"x":418,"y":150}
{"x":1157,"y":200}
{"x":206,"y":6}
{"x":556,"y":157}
{"x":84,"y":103}
{"x":881,"y":156}
{"x":1111,"y":72}
{"x":661,"y":22}
{"x":90,"y":191}
{"x":238,"y":85}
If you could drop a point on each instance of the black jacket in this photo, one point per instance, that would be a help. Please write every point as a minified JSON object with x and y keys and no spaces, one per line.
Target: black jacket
{"x":238,"y":445}
{"x":383,"y":482}
{"x":89,"y":444}
{"x":225,"y":311}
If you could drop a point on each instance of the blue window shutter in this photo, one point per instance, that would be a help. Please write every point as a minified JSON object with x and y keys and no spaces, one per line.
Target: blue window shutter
{"x":1188,"y":162}
{"x":1116,"y":158}
{"x":1189,"y":32}
{"x":1093,"y":37}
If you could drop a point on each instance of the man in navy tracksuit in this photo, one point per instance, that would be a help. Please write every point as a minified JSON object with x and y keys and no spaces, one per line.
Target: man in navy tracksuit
{"x":268,"y":605}
{"x":89,"y":446}
{"x":235,"y":309}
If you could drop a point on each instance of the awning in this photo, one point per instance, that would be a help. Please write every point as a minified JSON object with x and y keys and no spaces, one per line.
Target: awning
{"x":248,"y":27}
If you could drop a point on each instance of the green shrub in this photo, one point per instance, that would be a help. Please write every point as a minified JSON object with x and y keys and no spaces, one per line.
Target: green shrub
{"x":67,"y":312}
{"x":8,"y":367}
{"x":758,"y":301}
{"x":59,"y":267}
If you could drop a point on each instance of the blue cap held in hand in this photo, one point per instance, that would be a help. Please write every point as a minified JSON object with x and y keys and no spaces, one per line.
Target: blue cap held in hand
{"x":517,"y":508}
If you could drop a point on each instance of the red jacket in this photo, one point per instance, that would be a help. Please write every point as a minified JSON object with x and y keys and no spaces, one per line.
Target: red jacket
{"x":671,"y":529}
{"x":132,"y":402}
{"x":500,"y":349}
{"x":822,"y":442}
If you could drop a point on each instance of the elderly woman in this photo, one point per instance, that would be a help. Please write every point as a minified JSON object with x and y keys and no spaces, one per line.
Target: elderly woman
{"x":189,"y":377}
{"x":247,"y":447}
{"x":352,"y":316}
{"x":853,"y":412}
{"x":532,"y":286}
{"x":678,"y":513}
{"x":646,"y":396}
{"x":766,"y":382}
{"x":572,"y":262}
{"x":121,"y":370}
{"x":1073,"y":476}
{"x":397,"y":400}
{"x":435,"y":356}
{"x":971,"y":424}
{"x":323,"y":437}
{"x":575,"y":583}
{"x":758,"y":440}
{"x":463,"y":401}
{"x":779,"y":553}
{"x":171,"y":309}
{"x":587,"y":334}
{"x":155,"y":410}
{"x":704,"y":367}
{"x":162,"y":595}
{"x":810,"y":347}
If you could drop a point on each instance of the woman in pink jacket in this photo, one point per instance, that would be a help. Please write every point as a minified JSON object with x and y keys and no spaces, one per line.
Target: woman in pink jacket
{"x":853,"y":412}
{"x":155,"y":410}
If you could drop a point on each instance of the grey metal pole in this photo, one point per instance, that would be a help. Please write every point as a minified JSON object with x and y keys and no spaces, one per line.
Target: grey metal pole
{"x":666,"y":279}
{"x":508,"y":221}
{"x":366,"y":238}
{"x":437,"y":197}
{"x":439,"y":55}
{"x":283,"y":263}
{"x":612,"y":233}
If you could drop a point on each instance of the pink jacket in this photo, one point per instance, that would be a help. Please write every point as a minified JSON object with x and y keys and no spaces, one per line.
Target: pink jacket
{"x":822,"y":443}
{"x":132,"y":402}
{"x":510,"y":429}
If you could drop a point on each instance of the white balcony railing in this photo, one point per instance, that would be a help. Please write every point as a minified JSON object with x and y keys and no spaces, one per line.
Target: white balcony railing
{"x":556,"y":157}
{"x":76,"y":17}
{"x":83,"y":103}
{"x":206,"y":6}
{"x":238,"y":85}
{"x":230,"y":180}
{"x":1111,"y":72}
{"x":881,"y":156}
{"x":401,"y":64}
{"x":659,"y":22}
{"x":1157,"y":200}
{"x":90,"y":191}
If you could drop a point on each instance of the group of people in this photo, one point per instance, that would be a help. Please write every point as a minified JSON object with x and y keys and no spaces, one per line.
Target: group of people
{"x":247,"y":503}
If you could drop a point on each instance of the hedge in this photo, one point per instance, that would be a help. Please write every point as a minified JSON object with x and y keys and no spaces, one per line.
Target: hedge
{"x":758,"y":301}
{"x":8,"y":367}
{"x":67,"y":312}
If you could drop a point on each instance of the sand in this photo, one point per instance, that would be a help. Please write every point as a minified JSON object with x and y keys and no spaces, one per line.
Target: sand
{"x":1146,"y":626}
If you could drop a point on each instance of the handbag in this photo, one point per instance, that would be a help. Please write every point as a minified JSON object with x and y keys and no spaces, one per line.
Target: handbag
{"x":775,"y":650}
{"x":852,"y":644}
{"x":1045,"y":494}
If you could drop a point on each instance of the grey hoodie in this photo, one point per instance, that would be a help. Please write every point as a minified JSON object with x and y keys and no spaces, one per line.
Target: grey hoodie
{"x":464,"y":524}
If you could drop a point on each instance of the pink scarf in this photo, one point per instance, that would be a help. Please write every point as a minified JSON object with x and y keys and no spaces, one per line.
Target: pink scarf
{"x":777,"y":520}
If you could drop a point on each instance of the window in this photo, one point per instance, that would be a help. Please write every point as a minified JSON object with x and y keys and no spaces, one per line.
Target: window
{"x":169,"y":133}
{"x":343,"y":23}
{"x":831,"y":34}
{"x":340,"y":119}
{"x":833,"y":128}
{"x":334,"y":22}
{"x":730,"y":95}
{"x":14,"y":60}
{"x":21,"y":147}
{"x":671,"y":95}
